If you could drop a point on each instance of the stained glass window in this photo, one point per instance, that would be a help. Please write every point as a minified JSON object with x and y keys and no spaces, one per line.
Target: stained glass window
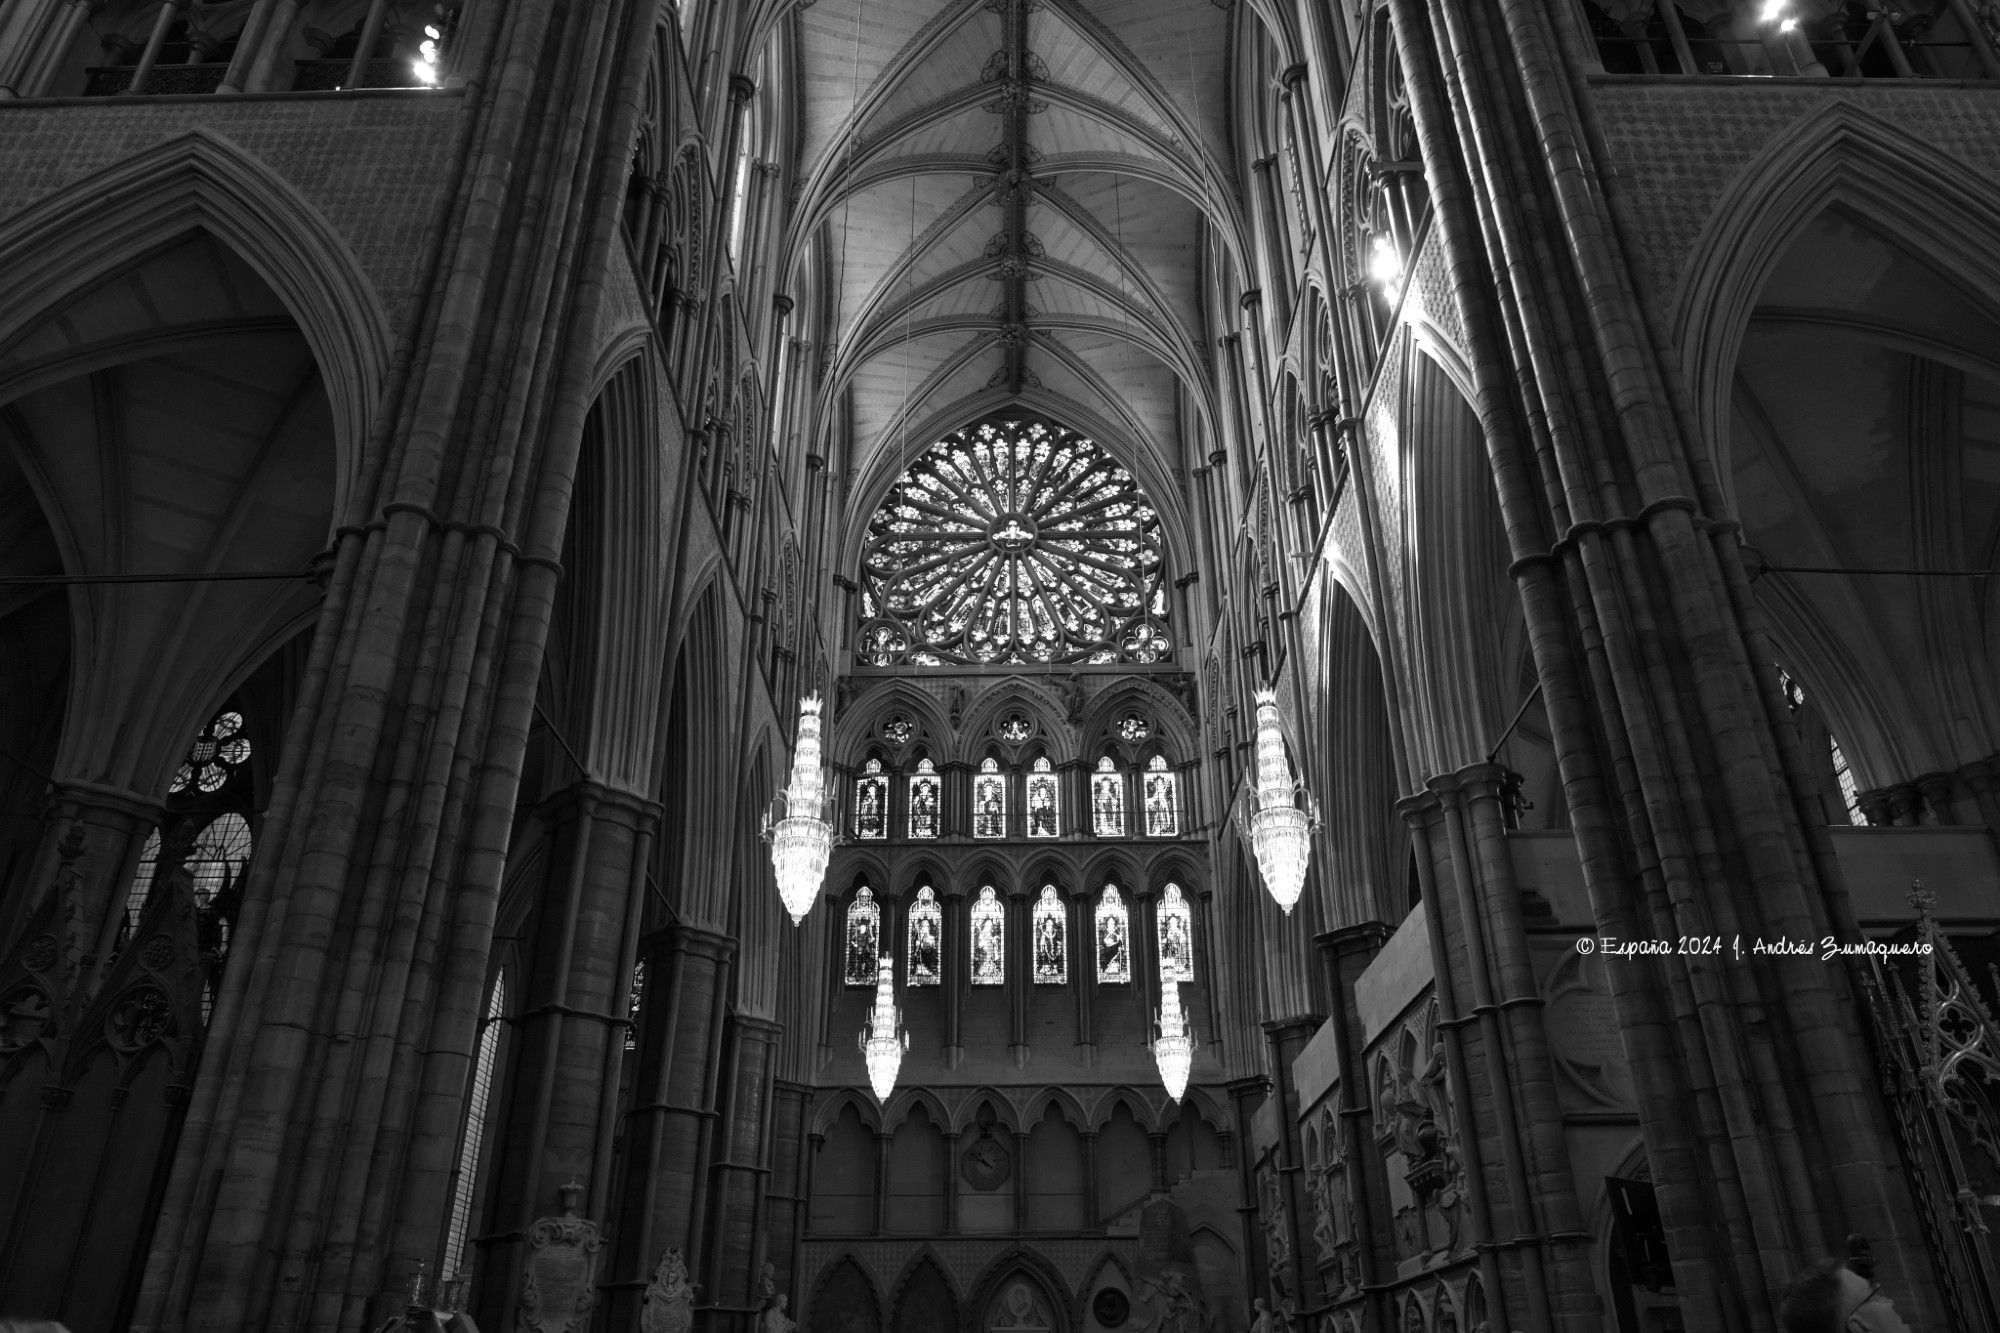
{"x":898,"y":730}
{"x":1042,"y":800}
{"x":1162,"y":820}
{"x":864,"y":937}
{"x":1133,"y":728}
{"x":1114,"y":952}
{"x":475,"y":1130}
{"x":1013,"y":541}
{"x":1107,"y":800}
{"x":1014,"y":728}
{"x":871,"y":802}
{"x":989,"y":940}
{"x":989,"y":801}
{"x":1051,"y":939}
{"x":636,"y":998}
{"x":142,"y":882}
{"x":1176,"y":936}
{"x":1850,"y":794}
{"x":924,"y":787}
{"x":926,"y":935}
{"x":216,"y":754}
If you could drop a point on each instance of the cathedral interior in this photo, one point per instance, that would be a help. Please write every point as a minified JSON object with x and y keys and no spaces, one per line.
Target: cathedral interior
{"x":998,"y":666}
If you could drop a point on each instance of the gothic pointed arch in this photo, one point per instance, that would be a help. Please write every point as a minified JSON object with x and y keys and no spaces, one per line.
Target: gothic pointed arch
{"x":924,"y":1300}
{"x":199,"y":181}
{"x":1021,"y":1288}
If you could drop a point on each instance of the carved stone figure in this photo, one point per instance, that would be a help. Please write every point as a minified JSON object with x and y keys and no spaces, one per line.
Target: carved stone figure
{"x":775,"y":1319}
{"x":669,"y":1302}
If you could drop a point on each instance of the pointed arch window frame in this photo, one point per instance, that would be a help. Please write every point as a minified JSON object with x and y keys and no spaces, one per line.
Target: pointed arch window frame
{"x":1107,"y":800}
{"x":1050,"y":931}
{"x":860,"y":960}
{"x":923,"y":959}
{"x":989,"y":784}
{"x":986,"y":940}
{"x":872,"y":780}
{"x":1174,"y":922}
{"x":1111,"y":938}
{"x":1157,"y":778}
{"x":1042,"y":784}
{"x":926,"y":804}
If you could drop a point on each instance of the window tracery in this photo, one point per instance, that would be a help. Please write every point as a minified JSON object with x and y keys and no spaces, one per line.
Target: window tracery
{"x":926,"y":934}
{"x":1134,"y":728}
{"x":1014,"y":728}
{"x":1162,"y":817}
{"x":1114,"y":951}
{"x":1051,"y":926}
{"x":1176,"y":922}
{"x":898,"y":730}
{"x":1107,"y":800}
{"x":924,"y":800}
{"x":871,"y":802}
{"x":1042,"y":800}
{"x":864,"y":937}
{"x":989,"y":801}
{"x":217,"y":753}
{"x":1014,"y":541}
{"x":989,"y":940}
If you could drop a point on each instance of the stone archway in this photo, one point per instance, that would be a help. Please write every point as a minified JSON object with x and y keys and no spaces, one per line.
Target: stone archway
{"x":1019,"y":1303}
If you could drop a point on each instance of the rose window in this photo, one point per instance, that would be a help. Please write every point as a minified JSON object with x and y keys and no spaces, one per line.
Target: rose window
{"x":1014,"y":542}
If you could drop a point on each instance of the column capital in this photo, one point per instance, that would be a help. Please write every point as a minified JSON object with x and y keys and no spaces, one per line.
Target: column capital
{"x":741,"y":88}
{"x":1294,"y":75}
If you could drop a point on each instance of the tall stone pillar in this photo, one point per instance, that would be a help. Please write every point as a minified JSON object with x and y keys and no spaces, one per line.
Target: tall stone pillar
{"x":674,"y":1090}
{"x":569,"y":1032}
{"x":736,"y":1243}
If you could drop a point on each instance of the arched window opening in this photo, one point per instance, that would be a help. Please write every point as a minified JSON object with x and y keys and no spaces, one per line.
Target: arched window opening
{"x":1134,"y":729}
{"x":864,"y":938}
{"x":1014,"y":542}
{"x":1107,"y":800}
{"x":989,"y":801}
{"x":1176,"y":936}
{"x":871,"y":802}
{"x":1114,"y":952}
{"x":926,"y":933}
{"x":1162,"y":816}
{"x":217,"y":755}
{"x":477,"y":1104}
{"x":989,"y":940}
{"x":1042,"y":799}
{"x":632,"y":1004}
{"x":1051,"y":926}
{"x":924,"y":800}
{"x":1804,"y":717}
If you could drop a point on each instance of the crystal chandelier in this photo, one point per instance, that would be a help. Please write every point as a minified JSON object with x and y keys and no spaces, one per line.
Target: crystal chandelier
{"x":883,"y":1040}
{"x":1173,"y":1047}
{"x":802,"y":837}
{"x":1276,"y":815}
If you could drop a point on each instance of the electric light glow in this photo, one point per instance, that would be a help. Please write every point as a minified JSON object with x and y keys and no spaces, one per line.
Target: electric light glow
{"x":883,"y":1040}
{"x":1173,"y":1047}
{"x":802,"y":840}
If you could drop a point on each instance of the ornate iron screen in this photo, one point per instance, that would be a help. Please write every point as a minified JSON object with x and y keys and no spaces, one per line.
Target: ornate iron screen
{"x":1013,"y":541}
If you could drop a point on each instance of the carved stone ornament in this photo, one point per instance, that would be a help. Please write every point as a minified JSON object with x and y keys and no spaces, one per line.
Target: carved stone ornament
{"x":669,"y":1304}
{"x":559,"y":1284}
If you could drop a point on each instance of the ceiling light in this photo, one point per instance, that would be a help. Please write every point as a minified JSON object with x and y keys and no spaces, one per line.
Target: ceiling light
{"x":1270,"y":814}
{"x":1173,"y":1046}
{"x":1385,"y":264}
{"x":802,"y":837}
{"x":883,"y":1040}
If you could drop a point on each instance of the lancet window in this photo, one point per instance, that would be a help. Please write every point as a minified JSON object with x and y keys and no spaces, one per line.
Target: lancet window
{"x":871,"y":802}
{"x":925,"y":800}
{"x":1114,"y":944}
{"x":1850,"y":794}
{"x":1014,"y":542}
{"x":1042,"y":800}
{"x":1107,"y":800}
{"x":1176,"y":936}
{"x":989,"y":940}
{"x":864,"y":937}
{"x":475,"y":1129}
{"x":1051,"y":928}
{"x":1162,"y":810}
{"x":989,"y":801}
{"x":926,"y":940}
{"x":217,"y":753}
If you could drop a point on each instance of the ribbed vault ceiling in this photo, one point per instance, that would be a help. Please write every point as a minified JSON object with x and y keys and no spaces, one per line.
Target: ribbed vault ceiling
{"x":1009,"y":197}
